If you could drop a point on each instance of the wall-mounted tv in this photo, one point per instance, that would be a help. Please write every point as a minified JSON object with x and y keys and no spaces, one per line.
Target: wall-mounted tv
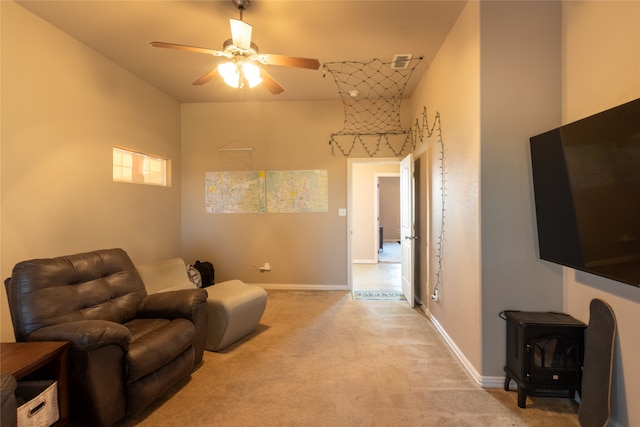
{"x":586,"y":180}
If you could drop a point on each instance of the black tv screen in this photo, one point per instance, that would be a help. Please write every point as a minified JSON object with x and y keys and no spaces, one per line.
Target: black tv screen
{"x":586,"y":180}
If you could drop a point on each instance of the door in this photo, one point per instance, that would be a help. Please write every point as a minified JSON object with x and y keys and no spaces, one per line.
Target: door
{"x":407,"y":227}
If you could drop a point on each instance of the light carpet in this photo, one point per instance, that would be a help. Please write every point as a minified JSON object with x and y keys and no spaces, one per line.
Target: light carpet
{"x":319,"y":358}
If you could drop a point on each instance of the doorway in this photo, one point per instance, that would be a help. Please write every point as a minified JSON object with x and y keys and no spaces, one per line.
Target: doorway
{"x":374,"y":249}
{"x":388,"y":205}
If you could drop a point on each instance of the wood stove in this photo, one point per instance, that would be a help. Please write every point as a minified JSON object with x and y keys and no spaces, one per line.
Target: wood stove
{"x":544,"y":354}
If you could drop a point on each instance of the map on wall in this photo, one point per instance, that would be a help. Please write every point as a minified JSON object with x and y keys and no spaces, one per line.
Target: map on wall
{"x":235,"y":192}
{"x":296,"y":191}
{"x":292,"y":191}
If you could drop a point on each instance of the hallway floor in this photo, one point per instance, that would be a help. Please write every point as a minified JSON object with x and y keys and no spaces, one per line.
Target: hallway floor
{"x":383,"y":276}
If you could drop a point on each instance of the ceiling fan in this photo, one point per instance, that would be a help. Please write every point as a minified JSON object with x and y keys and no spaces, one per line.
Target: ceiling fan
{"x":244,"y":66}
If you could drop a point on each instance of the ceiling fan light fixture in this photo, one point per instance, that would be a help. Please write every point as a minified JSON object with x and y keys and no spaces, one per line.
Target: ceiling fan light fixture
{"x":251,"y":74}
{"x":241,"y":70}
{"x":230,"y":74}
{"x":237,"y":75}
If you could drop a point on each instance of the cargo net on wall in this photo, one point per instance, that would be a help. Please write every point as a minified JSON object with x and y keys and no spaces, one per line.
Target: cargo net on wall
{"x":371,"y":94}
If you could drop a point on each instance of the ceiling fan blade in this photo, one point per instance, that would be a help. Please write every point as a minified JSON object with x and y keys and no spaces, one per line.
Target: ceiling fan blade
{"x":206,"y":78}
{"x":187,"y":48}
{"x":290,"y":61}
{"x":271,"y":83}
{"x":240,"y":33}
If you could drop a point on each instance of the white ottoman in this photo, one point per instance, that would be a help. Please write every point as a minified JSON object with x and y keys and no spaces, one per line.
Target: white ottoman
{"x":235,"y":309}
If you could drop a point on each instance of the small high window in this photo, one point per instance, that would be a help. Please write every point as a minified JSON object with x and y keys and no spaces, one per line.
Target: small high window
{"x":140,"y":168}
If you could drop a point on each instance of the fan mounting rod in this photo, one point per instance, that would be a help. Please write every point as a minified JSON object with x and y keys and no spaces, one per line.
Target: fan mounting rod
{"x":241,"y":5}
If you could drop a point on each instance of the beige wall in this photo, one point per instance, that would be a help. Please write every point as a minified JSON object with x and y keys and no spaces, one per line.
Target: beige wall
{"x":60,"y":119}
{"x":389,"y":201}
{"x":305,"y":249}
{"x":521,"y":89}
{"x":497,"y":81}
{"x":362,"y":206}
{"x":451,"y":87}
{"x":601,"y":69}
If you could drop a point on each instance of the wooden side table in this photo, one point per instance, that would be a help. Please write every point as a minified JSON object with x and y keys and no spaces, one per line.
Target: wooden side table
{"x":38,"y":361}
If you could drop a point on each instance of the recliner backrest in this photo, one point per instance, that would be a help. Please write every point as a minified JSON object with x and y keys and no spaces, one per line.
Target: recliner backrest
{"x":97,"y":285}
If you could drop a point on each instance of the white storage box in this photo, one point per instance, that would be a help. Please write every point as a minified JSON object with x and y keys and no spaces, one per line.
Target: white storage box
{"x":37,"y":403}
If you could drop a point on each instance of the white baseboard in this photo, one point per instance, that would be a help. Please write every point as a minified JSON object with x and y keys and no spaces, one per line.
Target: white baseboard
{"x":482,"y":381}
{"x":297,"y":287}
{"x":461,"y":357}
{"x":497,"y":382}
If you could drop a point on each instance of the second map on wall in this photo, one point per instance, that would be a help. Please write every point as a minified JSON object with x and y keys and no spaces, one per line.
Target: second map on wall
{"x":290,"y":191}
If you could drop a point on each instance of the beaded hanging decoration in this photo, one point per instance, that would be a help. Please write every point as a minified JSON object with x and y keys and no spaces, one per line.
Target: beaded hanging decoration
{"x":371,"y":93}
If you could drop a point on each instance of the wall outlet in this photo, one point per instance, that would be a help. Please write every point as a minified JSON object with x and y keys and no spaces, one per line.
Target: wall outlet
{"x":265,"y":267}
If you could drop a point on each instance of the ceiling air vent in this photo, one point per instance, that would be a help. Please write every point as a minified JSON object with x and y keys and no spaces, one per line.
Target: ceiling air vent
{"x":401,"y":61}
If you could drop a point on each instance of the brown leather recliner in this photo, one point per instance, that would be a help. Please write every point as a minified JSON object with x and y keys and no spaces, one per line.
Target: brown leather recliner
{"x":127,"y":347}
{"x":9,"y":405}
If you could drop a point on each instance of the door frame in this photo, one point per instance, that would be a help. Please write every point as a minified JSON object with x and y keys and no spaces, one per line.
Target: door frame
{"x":350,"y":163}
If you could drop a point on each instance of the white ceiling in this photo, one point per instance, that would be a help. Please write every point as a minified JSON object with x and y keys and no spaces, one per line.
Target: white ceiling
{"x":331,"y":31}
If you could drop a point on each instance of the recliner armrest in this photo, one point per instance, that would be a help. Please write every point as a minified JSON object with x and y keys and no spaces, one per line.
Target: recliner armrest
{"x":173,"y":304}
{"x":85,"y":334}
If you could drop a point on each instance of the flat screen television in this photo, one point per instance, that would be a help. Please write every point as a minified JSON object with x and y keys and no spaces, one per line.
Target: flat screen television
{"x":586,"y":180}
